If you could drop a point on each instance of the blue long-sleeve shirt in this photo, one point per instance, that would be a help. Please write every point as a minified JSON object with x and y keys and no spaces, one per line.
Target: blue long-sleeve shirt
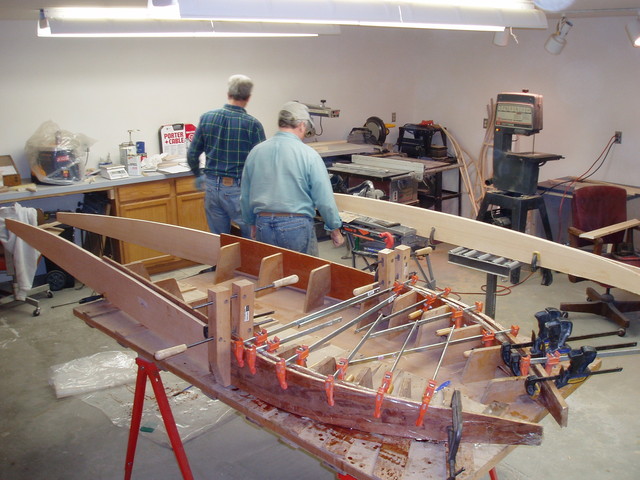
{"x":226,"y":136}
{"x":283,"y":175}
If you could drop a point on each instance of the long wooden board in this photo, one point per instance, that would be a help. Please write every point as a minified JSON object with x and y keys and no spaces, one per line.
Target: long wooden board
{"x":497,"y":241}
{"x":203,"y":247}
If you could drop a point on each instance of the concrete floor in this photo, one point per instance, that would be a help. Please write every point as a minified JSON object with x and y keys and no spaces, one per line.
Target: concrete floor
{"x":45,"y":437}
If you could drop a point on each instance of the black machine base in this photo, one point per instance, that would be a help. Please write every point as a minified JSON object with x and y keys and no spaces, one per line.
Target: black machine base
{"x":517,"y":206}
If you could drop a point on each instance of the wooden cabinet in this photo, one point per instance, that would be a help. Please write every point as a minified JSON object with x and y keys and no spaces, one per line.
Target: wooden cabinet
{"x":173,"y":200}
{"x":190,"y":205}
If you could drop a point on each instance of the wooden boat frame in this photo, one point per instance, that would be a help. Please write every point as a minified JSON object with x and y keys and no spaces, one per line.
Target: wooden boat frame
{"x":133,"y":300}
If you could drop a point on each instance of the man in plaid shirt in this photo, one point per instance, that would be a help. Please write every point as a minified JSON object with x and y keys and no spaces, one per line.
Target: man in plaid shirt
{"x":225,"y":136}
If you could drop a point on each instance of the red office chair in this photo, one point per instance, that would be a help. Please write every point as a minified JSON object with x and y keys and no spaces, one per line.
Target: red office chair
{"x":600,"y":219}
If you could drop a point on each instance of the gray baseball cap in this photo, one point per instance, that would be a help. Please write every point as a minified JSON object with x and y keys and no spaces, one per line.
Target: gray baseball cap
{"x":298,"y":111}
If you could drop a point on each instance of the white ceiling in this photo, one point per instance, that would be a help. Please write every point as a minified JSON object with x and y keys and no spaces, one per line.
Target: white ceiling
{"x":28,"y":9}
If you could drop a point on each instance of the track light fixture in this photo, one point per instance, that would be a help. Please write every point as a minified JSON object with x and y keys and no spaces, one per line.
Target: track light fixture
{"x":557,"y":40}
{"x":501,"y":39}
{"x":633,"y":30}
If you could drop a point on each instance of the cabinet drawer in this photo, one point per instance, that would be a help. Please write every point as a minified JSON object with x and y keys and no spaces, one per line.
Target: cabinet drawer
{"x":143,"y":191}
{"x":186,"y":185}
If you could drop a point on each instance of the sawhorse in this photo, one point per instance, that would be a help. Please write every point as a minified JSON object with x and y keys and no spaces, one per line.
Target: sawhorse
{"x":149,"y":370}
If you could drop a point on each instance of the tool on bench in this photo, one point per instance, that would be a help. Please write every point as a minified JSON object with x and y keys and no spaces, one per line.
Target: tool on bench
{"x":283,"y":282}
{"x":578,"y":370}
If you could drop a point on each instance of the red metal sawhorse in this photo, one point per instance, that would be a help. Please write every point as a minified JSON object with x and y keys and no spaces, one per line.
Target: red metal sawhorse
{"x":149,"y":370}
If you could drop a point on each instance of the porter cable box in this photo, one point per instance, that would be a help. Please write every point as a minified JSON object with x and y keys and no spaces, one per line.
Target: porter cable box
{"x":176,"y":138}
{"x":8,"y":171}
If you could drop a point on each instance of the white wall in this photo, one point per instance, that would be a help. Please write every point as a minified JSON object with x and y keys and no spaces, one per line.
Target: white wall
{"x":103,"y":87}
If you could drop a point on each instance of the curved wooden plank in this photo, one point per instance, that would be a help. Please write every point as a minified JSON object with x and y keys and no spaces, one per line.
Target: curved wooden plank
{"x":497,"y":240}
{"x":120,"y":288}
{"x":201,"y":247}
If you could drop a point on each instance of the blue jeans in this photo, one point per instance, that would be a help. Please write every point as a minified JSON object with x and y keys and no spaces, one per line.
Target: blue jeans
{"x":222,"y":206}
{"x":290,"y":231}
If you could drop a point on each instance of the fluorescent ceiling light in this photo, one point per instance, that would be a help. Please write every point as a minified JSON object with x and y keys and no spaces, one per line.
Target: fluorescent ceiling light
{"x":460,"y":14}
{"x":178,"y":28}
{"x":167,"y":10}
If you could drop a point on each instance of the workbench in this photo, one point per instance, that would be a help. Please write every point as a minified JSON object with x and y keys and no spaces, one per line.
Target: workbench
{"x":166,"y":198}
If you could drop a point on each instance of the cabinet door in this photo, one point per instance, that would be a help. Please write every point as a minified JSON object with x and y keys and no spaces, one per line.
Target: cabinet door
{"x":190,"y":210}
{"x":158,"y":210}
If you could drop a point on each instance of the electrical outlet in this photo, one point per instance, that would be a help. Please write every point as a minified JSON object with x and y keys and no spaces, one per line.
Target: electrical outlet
{"x":618,"y":136}
{"x":485,"y":123}
{"x":393,"y":117}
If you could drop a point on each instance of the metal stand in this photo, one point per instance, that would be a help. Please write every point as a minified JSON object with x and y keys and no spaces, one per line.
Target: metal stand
{"x":493,"y":265}
{"x":519,"y":205}
{"x":149,"y":370}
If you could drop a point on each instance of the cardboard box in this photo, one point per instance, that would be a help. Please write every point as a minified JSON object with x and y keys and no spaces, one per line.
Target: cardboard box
{"x":9,"y":171}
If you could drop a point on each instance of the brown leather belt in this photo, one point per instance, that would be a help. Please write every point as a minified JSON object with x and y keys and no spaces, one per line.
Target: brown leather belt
{"x":270,"y":214}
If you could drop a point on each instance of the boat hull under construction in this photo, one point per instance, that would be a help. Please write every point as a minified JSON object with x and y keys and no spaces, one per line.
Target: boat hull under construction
{"x":348,"y":373}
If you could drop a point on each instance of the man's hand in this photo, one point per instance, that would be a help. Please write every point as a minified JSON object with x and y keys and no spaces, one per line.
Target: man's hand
{"x":199,"y":182}
{"x":337,"y":238}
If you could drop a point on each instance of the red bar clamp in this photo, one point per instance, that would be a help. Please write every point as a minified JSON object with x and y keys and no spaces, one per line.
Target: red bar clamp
{"x":281,"y":373}
{"x":456,"y":318}
{"x":328,"y":389}
{"x":525,"y":364}
{"x":273,"y":345}
{"x":342,"y":365}
{"x":302,"y":352}
{"x":261,"y":337}
{"x":552,"y":360}
{"x":426,"y":400}
{"x":379,"y":399}
{"x":251,"y":358}
{"x":488,"y":338}
{"x":238,"y":351}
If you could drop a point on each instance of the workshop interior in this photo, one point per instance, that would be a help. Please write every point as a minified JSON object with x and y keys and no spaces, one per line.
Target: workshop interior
{"x":484,"y":159}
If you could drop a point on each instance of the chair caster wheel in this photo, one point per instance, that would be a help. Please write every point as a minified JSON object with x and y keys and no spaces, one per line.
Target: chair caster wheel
{"x":36,"y":312}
